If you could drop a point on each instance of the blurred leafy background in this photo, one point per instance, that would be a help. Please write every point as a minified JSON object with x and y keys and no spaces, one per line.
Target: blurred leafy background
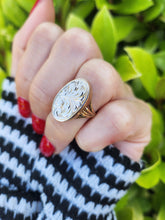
{"x":131,"y":36}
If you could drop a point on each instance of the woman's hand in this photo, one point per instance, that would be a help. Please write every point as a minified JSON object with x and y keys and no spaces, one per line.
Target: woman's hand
{"x":45,"y":58}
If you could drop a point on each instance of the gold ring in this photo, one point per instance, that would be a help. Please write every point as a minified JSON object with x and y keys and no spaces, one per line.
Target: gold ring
{"x":73,"y":101}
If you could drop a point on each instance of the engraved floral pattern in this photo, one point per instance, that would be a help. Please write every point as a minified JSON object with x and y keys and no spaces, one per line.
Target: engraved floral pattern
{"x":70,"y":99}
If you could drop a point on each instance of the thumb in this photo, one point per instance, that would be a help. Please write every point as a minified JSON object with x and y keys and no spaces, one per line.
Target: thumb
{"x":43,"y":11}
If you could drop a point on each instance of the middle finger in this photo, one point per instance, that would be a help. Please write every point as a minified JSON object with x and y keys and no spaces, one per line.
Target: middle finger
{"x":68,"y":54}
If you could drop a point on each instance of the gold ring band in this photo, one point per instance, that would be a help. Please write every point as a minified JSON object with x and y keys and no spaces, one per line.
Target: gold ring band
{"x":73,"y":101}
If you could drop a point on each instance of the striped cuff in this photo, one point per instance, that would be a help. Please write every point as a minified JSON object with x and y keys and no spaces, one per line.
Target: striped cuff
{"x":72,"y":185}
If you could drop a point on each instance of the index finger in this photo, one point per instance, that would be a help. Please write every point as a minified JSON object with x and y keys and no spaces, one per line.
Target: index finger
{"x":43,"y":12}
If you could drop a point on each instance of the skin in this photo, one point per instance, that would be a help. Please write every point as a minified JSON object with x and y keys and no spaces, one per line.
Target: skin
{"x":55,"y":57}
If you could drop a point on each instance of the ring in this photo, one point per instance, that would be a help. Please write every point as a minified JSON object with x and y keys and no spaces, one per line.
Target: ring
{"x":73,"y":101}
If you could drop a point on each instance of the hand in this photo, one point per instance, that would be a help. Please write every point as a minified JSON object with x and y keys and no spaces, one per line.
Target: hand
{"x":45,"y":58}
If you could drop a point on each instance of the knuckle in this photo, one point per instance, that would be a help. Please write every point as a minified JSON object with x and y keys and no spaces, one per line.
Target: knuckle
{"x":79,"y":41}
{"x":122,"y":118}
{"x":43,"y":33}
{"x":22,"y":80}
{"x":110,"y":77}
{"x":38,"y":97}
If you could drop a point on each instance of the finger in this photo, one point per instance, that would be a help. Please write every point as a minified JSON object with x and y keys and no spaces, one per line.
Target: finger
{"x":35,"y":55}
{"x":72,"y":49}
{"x":44,"y":36}
{"x":117,"y":123}
{"x":43,"y":12}
{"x":106,"y":85}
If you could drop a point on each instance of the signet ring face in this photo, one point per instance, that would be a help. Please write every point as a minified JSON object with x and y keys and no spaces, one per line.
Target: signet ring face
{"x":73,"y":101}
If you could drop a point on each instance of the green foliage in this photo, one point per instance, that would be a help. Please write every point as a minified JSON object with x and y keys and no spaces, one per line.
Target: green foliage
{"x":130,"y":34}
{"x":146,"y":179}
{"x":126,"y":6}
{"x":154,"y":11}
{"x":126,"y":68}
{"x":104,"y":32}
{"x":144,"y":64}
{"x":12,"y":12}
{"x":75,"y":21}
{"x":161,"y":212}
{"x":122,"y":27}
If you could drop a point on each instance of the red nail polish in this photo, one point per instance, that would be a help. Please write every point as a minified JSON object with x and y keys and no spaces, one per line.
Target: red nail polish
{"x":38,"y":124}
{"x":24,"y":107}
{"x":36,"y":3}
{"x":46,"y":148}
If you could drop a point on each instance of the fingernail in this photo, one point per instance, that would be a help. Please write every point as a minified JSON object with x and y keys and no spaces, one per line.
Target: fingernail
{"x":24,"y":107}
{"x":38,"y":124}
{"x":35,"y":5}
{"x":46,"y":148}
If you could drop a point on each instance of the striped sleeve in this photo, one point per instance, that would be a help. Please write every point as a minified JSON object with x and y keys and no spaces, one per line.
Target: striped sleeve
{"x":71,"y":185}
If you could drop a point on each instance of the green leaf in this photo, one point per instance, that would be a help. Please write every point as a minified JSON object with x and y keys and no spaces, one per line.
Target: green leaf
{"x":160,"y":89}
{"x":101,"y":3}
{"x":124,"y":25}
{"x":27,"y":5}
{"x":137,"y":34}
{"x":125,"y":213}
{"x":132,"y":7}
{"x":2,"y":22}
{"x":151,"y":43}
{"x":159,"y":59}
{"x":103,"y":31}
{"x":157,"y":130}
{"x":146,"y":179}
{"x":145,"y":65}
{"x":154,"y":11}
{"x":8,"y":33}
{"x":65,"y":11}
{"x":156,"y":160}
{"x":139,"y":89}
{"x":84,"y":8}
{"x":122,"y":203}
{"x":75,"y":21}
{"x":8,"y":61}
{"x":148,"y":218}
{"x":161,"y":213}
{"x":130,"y":213}
{"x":157,"y":198}
{"x":13,"y":12}
{"x":162,"y":171}
{"x":136,"y":209}
{"x":58,"y":4}
{"x":162,"y":17}
{"x":126,"y":6}
{"x":3,"y":75}
{"x":162,"y":45}
{"x":126,"y":68}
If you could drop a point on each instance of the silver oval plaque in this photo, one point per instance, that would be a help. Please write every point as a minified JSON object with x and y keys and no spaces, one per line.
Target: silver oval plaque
{"x":70,"y":99}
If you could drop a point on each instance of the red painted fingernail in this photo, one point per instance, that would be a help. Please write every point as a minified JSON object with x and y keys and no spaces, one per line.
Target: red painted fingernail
{"x":38,"y":124}
{"x":36,"y":3}
{"x":24,"y":107}
{"x":46,"y":148}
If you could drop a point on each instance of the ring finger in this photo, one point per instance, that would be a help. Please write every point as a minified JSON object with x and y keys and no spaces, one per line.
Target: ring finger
{"x":106,"y":85}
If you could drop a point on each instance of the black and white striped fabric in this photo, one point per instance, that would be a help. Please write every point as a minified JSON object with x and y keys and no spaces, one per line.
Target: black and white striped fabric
{"x":71,"y":185}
